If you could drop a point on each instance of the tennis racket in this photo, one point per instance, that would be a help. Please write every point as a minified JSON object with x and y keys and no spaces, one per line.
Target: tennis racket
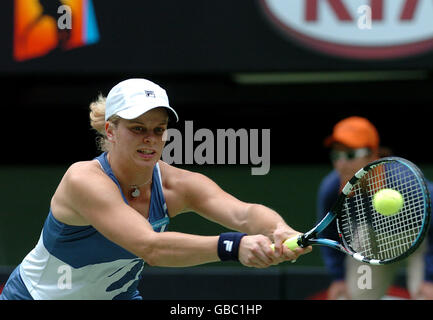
{"x":365,"y":234}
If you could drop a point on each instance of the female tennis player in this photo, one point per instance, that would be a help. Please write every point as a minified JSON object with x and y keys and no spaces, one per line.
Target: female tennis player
{"x":107,"y":216}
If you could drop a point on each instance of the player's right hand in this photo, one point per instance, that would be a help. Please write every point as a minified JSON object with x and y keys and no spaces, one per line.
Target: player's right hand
{"x":255,"y":251}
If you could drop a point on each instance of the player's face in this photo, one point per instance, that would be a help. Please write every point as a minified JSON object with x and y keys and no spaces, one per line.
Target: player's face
{"x":348,"y":161}
{"x":142,"y":139}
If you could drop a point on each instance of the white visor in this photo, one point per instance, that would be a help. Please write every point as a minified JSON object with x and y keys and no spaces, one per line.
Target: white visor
{"x":131,"y":98}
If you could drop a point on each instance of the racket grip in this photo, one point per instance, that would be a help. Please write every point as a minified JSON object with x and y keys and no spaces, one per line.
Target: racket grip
{"x":291,"y":243}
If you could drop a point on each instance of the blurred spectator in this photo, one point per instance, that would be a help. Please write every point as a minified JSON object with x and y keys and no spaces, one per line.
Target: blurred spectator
{"x":353,"y":144}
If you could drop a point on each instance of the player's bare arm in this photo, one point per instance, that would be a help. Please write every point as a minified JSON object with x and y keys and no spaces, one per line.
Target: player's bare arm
{"x":99,"y":203}
{"x":199,"y":194}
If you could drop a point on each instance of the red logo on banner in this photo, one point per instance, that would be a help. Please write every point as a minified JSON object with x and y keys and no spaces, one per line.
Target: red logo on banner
{"x":361,"y":29}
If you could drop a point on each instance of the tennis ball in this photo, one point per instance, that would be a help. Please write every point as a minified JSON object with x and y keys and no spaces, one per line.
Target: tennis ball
{"x":388,"y":202}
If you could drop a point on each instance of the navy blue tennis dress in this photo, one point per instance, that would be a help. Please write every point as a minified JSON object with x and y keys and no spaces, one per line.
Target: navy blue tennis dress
{"x":77,"y":262}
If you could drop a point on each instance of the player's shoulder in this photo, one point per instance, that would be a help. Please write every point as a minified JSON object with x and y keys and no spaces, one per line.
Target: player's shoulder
{"x":174,"y":177}
{"x":171,"y":174}
{"x":83,"y":171}
{"x":81,"y":167}
{"x":82,"y":180}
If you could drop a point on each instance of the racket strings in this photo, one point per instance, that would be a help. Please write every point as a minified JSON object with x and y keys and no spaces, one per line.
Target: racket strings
{"x":374,"y":235}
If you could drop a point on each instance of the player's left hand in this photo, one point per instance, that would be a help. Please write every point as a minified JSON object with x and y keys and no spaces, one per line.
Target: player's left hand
{"x":281,"y":234}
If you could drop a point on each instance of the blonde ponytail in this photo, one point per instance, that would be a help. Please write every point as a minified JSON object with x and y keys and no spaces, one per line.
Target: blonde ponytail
{"x":97,"y":114}
{"x":97,"y":121}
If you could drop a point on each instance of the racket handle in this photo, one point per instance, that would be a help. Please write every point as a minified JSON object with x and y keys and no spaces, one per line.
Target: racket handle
{"x":291,"y":243}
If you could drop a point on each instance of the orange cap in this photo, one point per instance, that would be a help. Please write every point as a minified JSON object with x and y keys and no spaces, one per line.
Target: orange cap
{"x":354,"y":132}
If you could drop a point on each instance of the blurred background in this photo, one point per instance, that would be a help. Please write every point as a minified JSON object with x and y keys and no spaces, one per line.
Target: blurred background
{"x":295,"y":67}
